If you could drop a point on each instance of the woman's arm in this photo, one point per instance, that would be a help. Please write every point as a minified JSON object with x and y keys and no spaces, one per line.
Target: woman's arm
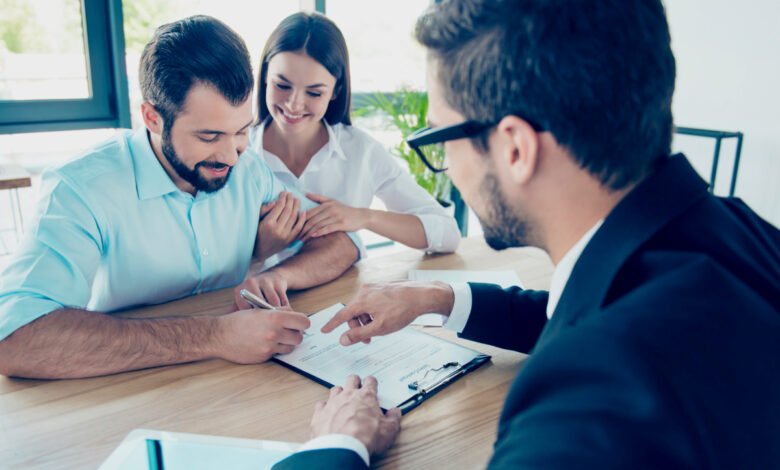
{"x":332,"y":216}
{"x":413,"y":217}
{"x":402,"y":195}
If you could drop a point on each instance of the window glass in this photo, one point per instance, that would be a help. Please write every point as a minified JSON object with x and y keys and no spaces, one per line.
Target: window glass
{"x":383,"y":53}
{"x":384,"y":57}
{"x":42,"y":50}
{"x":253,"y":21}
{"x":32,"y":24}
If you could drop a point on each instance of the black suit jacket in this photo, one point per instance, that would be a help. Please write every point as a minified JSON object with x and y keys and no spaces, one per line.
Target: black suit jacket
{"x":664,"y":349}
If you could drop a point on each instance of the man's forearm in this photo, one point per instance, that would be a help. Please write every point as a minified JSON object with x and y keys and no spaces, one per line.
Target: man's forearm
{"x":71,"y":343}
{"x":320,"y":260}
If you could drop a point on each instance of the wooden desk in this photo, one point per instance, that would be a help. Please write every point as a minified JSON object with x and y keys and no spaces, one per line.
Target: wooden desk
{"x":77,"y":423}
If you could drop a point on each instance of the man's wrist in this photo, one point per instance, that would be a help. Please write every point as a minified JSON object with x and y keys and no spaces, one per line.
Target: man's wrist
{"x":442,"y":297}
{"x":218,"y":328}
{"x":338,"y":441}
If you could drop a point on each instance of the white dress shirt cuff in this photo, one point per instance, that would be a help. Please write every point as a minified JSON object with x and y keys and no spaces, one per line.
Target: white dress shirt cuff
{"x":461,"y":307}
{"x":441,"y":232}
{"x":338,"y":441}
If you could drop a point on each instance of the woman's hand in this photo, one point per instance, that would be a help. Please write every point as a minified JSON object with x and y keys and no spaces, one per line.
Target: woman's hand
{"x":280,"y":225}
{"x":332,"y":216}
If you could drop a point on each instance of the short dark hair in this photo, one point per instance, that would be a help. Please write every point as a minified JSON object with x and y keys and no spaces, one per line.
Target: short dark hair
{"x":597,"y":74}
{"x":319,"y":38}
{"x":195,"y":49}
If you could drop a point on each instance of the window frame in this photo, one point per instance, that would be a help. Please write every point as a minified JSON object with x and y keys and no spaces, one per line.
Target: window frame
{"x":109,"y":103}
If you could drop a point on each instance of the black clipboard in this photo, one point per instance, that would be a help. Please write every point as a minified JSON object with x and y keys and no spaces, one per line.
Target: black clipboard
{"x":426,"y":389}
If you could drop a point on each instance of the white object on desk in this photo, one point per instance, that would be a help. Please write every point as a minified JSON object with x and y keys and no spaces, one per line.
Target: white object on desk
{"x":505,"y":278}
{"x":397,"y":360}
{"x":182,"y":451}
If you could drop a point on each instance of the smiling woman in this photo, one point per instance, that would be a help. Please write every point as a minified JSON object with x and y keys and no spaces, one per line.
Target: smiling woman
{"x":304,"y":133}
{"x":299,"y":95}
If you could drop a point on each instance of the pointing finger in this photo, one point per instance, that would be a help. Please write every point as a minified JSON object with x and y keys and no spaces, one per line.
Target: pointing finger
{"x":357,"y":335}
{"x":347,"y":313}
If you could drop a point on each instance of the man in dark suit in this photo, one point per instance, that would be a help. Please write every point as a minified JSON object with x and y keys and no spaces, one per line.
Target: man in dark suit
{"x":658,"y":345}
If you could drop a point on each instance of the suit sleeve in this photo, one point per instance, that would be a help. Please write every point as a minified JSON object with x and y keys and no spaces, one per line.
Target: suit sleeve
{"x":594,"y":399}
{"x":509,"y":318}
{"x":341,"y":459}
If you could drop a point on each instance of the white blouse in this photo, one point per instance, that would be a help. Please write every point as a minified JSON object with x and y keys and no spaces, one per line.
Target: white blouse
{"x":353,"y":168}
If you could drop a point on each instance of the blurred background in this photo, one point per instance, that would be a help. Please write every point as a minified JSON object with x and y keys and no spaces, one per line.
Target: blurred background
{"x":727,"y":75}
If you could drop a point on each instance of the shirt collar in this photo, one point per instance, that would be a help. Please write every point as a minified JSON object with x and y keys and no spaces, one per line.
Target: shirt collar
{"x":151,"y":180}
{"x":565,"y":266}
{"x":331,"y":149}
{"x":334,"y":142}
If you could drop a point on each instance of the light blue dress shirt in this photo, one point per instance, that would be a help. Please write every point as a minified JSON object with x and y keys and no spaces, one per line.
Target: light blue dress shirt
{"x":112,"y":231}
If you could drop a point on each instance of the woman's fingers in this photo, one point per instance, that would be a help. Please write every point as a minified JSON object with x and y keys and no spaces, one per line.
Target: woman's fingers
{"x":317,"y":197}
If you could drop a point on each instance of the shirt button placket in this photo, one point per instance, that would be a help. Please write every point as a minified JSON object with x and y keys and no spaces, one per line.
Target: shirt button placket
{"x":202,"y":251}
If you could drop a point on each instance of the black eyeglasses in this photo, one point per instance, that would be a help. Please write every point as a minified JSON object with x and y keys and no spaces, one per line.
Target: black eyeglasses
{"x":439,"y":135}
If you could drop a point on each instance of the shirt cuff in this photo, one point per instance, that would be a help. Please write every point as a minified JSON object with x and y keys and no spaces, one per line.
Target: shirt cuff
{"x":338,"y":441}
{"x":441,"y":233}
{"x":358,"y":243}
{"x":19,"y":308}
{"x":461,"y":307}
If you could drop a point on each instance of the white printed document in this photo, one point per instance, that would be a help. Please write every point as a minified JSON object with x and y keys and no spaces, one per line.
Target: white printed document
{"x":505,"y":278}
{"x":408,"y":364}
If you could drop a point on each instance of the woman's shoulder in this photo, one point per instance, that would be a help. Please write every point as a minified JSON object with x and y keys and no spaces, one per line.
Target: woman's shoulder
{"x":356,"y":141}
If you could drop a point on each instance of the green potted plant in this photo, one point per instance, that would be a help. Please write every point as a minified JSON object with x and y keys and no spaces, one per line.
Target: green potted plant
{"x":405,"y":110}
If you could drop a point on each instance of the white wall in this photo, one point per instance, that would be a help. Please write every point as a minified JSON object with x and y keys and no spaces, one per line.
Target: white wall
{"x":728,"y":78}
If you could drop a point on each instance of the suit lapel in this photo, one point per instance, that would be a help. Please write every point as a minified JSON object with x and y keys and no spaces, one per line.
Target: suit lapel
{"x":656,"y":201}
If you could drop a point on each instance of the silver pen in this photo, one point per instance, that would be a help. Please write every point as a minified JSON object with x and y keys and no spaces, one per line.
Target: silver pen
{"x":255,"y":301}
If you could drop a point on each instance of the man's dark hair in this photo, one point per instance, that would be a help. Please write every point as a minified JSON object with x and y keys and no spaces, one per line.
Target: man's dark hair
{"x":597,"y":74}
{"x":195,"y":49}
{"x":318,"y":37}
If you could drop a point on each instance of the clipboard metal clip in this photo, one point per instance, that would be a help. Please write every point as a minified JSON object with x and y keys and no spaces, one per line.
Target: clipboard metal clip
{"x":416,"y":384}
{"x":425,"y":390}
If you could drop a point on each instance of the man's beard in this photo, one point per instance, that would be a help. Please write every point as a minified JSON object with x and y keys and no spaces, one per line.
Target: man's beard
{"x":501,"y":226}
{"x":192,"y":176}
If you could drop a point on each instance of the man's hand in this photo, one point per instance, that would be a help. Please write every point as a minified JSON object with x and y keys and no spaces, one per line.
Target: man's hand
{"x":331,"y":216}
{"x":354,"y":410}
{"x":268,"y":285}
{"x":381,"y":309}
{"x":253,"y":336}
{"x":280,"y":225}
